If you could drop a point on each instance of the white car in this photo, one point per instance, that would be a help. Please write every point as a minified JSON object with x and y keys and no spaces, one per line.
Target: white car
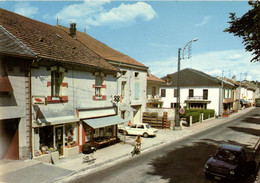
{"x":142,"y":129}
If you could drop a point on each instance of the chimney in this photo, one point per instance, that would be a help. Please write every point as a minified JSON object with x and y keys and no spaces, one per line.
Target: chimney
{"x":73,"y":30}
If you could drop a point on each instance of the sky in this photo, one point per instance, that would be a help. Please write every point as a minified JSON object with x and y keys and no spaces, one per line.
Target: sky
{"x":151,"y":32}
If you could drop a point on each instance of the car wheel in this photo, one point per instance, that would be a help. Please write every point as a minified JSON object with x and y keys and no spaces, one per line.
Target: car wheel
{"x":207,"y":175}
{"x":145,"y":135}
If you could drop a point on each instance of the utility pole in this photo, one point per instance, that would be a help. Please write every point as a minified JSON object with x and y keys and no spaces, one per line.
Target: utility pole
{"x":177,"y":114}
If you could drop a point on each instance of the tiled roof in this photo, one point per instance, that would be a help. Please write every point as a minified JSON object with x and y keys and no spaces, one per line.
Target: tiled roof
{"x":50,"y":42}
{"x":103,"y":50}
{"x":151,"y":77}
{"x":192,"y":77}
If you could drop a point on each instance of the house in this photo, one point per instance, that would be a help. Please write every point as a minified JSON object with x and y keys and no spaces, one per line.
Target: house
{"x":131,"y":80}
{"x":197,"y":90}
{"x":154,"y":99}
{"x":15,"y":131}
{"x":67,"y":96}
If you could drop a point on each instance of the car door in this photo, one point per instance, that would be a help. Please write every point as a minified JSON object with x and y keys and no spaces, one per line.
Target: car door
{"x":140,"y":129}
{"x":132,"y":130}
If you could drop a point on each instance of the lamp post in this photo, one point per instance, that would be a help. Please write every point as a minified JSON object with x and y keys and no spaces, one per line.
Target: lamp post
{"x":177,"y":109}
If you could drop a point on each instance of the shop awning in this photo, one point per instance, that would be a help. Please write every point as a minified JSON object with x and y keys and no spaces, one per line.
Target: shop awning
{"x":104,"y":121}
{"x":228,"y":100}
{"x":243,"y":101}
{"x":58,"y":120}
{"x":126,"y":108}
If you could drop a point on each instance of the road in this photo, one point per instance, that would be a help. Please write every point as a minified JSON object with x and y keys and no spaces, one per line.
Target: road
{"x":182,"y":161}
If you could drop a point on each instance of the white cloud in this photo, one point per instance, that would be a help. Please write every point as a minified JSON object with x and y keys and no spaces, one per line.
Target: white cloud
{"x":232,"y":62}
{"x":25,"y":9}
{"x":205,"y":20}
{"x":93,"y":13}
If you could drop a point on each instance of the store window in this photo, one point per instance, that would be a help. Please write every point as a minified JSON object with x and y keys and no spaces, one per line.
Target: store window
{"x":71,"y":135}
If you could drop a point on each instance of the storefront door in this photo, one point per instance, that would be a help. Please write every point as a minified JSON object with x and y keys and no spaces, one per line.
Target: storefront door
{"x":59,"y":139}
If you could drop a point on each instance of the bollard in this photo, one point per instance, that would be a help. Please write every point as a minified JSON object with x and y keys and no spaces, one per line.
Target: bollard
{"x":190,"y":122}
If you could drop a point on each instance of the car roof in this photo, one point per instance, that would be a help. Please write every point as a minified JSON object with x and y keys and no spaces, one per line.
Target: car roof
{"x":231,"y":147}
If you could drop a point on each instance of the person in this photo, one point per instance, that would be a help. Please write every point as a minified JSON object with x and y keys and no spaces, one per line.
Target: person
{"x":138,"y":141}
{"x":129,"y":123}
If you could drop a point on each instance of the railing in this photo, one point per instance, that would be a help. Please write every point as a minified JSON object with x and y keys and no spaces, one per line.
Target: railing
{"x":154,"y":98}
{"x":197,"y":98}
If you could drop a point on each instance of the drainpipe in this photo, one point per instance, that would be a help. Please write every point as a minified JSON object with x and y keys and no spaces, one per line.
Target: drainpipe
{"x":30,"y":109}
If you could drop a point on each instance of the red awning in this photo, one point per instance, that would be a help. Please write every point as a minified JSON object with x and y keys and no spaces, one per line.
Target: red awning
{"x":5,"y":85}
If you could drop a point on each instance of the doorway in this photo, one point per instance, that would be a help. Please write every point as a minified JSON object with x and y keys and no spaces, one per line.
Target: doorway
{"x":59,"y":139}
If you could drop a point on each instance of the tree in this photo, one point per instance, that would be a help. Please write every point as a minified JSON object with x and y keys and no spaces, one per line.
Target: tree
{"x":248,"y":27}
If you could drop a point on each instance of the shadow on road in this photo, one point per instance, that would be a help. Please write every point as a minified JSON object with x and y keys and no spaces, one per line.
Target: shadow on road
{"x":250,"y":131}
{"x":186,"y":164}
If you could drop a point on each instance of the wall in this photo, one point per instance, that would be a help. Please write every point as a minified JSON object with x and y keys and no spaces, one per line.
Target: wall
{"x":16,"y":105}
{"x":130,"y":99}
{"x":213,"y":96}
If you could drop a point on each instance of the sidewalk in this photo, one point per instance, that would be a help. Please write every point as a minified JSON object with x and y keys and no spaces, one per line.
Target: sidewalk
{"x":17,"y":171}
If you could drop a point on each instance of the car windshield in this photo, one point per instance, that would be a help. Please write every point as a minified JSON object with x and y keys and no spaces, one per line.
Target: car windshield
{"x":225,"y":155}
{"x":148,"y":126}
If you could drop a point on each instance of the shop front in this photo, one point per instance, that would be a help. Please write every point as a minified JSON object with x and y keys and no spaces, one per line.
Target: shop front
{"x":99,"y":126}
{"x":58,"y":136}
{"x":101,"y":132}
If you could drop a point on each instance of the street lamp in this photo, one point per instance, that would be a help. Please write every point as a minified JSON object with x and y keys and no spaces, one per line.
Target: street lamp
{"x":177,"y":114}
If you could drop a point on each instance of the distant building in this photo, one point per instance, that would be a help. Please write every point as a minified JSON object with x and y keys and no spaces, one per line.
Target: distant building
{"x":197,"y":90}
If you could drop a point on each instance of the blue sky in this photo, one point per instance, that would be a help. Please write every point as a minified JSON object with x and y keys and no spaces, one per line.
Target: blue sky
{"x":152,"y":31}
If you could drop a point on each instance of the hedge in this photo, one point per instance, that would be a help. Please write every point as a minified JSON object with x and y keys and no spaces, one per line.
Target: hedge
{"x":195,"y":113}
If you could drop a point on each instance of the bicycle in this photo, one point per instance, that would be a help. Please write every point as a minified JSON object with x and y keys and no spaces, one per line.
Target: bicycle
{"x":88,"y":152}
{"x":136,"y":150}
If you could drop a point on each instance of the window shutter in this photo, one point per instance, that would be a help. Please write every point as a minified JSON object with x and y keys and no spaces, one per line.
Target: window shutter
{"x":136,"y":90}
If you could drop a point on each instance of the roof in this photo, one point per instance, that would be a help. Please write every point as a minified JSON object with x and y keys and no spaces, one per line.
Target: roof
{"x":51,"y":43}
{"x":231,"y":147}
{"x":151,"y":77}
{"x":103,"y":50}
{"x":9,"y":45}
{"x":5,"y":85}
{"x":191,"y":77}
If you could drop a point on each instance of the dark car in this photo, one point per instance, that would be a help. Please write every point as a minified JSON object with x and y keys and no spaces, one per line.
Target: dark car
{"x":229,"y":162}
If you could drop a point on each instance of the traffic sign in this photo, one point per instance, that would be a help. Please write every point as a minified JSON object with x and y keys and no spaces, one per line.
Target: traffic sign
{"x":182,"y":110}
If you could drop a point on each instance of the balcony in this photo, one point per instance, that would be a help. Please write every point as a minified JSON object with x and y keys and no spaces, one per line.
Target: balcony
{"x":198,"y":99}
{"x":154,"y":98}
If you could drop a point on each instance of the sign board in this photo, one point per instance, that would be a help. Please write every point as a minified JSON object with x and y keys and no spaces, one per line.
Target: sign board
{"x":182,"y":110}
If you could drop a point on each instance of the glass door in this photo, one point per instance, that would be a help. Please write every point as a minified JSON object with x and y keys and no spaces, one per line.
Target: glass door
{"x":59,"y":139}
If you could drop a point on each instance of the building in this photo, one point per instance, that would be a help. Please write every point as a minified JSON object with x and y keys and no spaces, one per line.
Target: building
{"x":131,"y":80}
{"x":197,"y":90}
{"x":154,"y":99}
{"x":64,"y":98}
{"x":15,"y":126}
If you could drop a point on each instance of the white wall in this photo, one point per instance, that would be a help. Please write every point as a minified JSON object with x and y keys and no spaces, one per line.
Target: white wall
{"x":130,"y":99}
{"x":213,"y":96}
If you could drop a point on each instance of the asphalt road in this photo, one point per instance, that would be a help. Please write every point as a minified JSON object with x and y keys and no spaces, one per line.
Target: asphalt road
{"x":182,"y":161}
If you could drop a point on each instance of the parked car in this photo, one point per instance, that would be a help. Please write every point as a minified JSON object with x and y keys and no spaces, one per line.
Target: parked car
{"x":142,"y":129}
{"x":230,"y":162}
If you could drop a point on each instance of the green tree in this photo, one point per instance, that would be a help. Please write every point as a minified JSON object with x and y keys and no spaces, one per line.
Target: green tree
{"x":248,"y":27}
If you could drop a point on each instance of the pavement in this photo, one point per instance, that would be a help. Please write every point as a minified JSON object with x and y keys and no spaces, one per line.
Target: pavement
{"x":27,"y":171}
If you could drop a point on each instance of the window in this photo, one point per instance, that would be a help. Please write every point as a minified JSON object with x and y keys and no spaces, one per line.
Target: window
{"x":140,"y":126}
{"x":191,"y":93}
{"x":153,"y":91}
{"x":136,"y":74}
{"x":136,"y":90}
{"x":124,"y":73}
{"x":163,"y":93}
{"x":133,"y":126}
{"x":98,"y":86}
{"x":205,"y":94}
{"x":175,"y":93}
{"x":123,"y":89}
{"x":56,"y":81}
{"x":173,"y":105}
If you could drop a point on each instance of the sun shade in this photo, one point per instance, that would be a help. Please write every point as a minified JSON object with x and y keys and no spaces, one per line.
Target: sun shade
{"x":104,"y":121}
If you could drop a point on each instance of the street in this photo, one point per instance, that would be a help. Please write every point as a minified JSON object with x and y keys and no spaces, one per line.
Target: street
{"x":182,"y":161}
